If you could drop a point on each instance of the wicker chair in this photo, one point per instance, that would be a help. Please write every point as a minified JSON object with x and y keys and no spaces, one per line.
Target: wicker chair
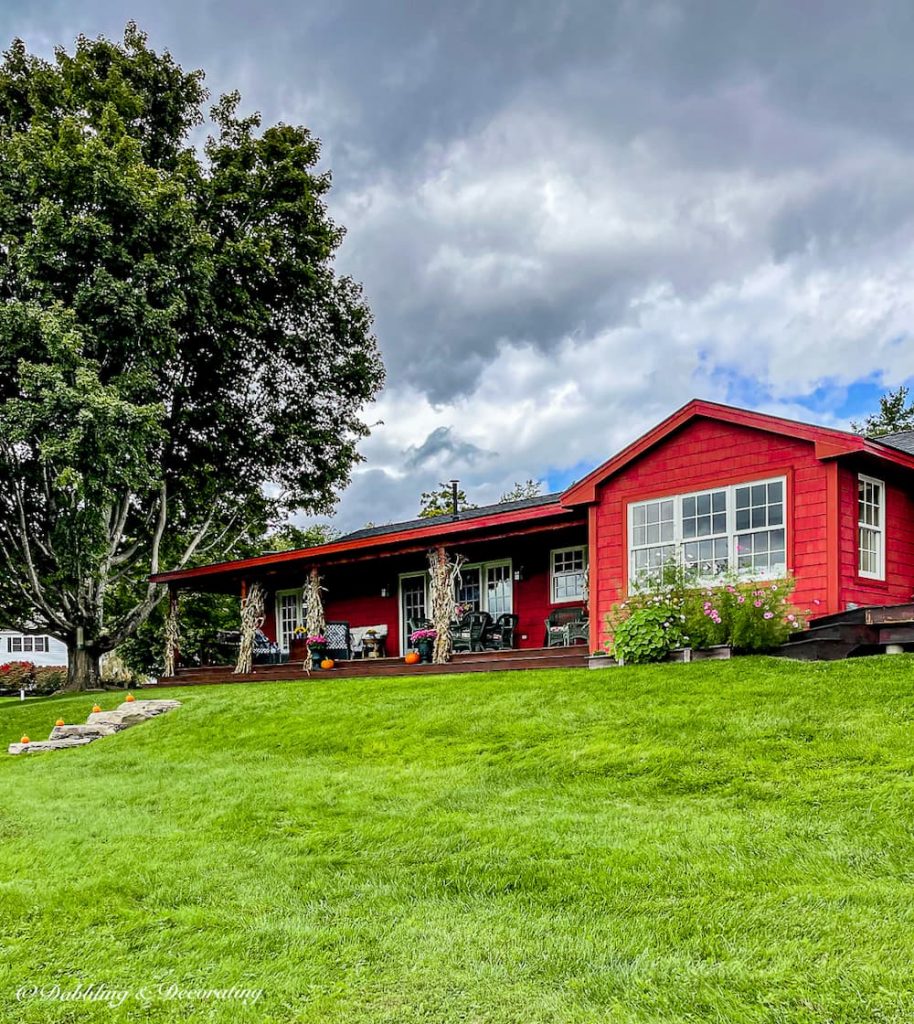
{"x":563,"y":625}
{"x":501,"y":635}
{"x":470,"y":633}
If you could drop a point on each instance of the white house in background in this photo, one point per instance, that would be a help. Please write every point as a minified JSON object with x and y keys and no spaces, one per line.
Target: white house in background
{"x":39,"y":648}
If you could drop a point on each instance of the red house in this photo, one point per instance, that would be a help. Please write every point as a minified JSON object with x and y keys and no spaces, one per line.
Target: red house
{"x":720,"y":487}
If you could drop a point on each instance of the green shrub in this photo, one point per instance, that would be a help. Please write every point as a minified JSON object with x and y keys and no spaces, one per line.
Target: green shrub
{"x":648,"y":634}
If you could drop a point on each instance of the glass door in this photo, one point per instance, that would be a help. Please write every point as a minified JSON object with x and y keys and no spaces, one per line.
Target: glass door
{"x":288,"y":617}
{"x":413,"y":603}
{"x":499,"y":590}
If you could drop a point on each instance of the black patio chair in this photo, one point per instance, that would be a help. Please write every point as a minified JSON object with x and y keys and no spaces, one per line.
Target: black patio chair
{"x":471,"y":632}
{"x":500,"y":637}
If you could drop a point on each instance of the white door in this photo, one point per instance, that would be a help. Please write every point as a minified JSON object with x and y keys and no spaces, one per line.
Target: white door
{"x":413,"y":602}
{"x":499,"y":589}
{"x":288,"y":616}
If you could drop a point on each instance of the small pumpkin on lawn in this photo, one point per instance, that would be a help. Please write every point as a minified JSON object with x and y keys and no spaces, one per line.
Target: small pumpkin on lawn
{"x":95,"y":709}
{"x":25,"y":739}
{"x":129,"y":698}
{"x":327,"y":663}
{"x":60,"y":721}
{"x":412,"y":658}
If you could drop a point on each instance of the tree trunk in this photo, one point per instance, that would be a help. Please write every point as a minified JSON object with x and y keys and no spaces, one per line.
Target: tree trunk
{"x":83,"y":671}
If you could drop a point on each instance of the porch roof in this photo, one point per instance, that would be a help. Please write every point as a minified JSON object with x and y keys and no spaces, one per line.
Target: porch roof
{"x":488,"y":522}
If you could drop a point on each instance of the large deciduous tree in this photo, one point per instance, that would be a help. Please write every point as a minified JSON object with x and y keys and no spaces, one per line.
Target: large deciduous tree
{"x":179,"y":361}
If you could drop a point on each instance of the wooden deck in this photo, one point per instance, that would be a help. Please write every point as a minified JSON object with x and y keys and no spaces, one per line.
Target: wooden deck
{"x":853,"y":633}
{"x":486,"y":661}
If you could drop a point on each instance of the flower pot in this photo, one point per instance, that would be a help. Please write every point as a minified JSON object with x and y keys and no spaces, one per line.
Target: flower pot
{"x":425,"y":649}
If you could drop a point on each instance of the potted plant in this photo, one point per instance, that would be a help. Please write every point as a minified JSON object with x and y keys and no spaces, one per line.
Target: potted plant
{"x":424,"y":642}
{"x":317,"y":646}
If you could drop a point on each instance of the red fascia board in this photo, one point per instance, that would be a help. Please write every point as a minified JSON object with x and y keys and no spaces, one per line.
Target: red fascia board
{"x":830,"y":442}
{"x":325,"y":552}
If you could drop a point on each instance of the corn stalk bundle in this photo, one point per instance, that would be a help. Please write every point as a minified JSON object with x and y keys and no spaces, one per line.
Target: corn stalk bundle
{"x":444,"y":572}
{"x":172,"y":636}
{"x":314,"y":609}
{"x":252,"y":615}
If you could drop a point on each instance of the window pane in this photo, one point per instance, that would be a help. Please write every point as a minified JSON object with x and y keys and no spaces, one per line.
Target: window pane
{"x":719,"y":501}
{"x":704,"y":504}
{"x":742,"y":519}
{"x":775,"y":492}
{"x":759,"y":493}
{"x":742,"y":497}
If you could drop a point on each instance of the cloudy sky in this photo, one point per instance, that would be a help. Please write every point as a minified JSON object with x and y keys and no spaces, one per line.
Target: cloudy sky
{"x":571,"y":217}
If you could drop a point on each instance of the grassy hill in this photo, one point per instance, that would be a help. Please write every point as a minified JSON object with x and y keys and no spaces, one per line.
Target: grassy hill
{"x":716,"y":841}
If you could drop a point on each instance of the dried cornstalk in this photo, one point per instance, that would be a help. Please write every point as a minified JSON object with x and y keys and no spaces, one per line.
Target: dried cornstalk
{"x":252,"y":615}
{"x":172,"y":634}
{"x":314,"y":604}
{"x":314,"y":609}
{"x":443,"y":575}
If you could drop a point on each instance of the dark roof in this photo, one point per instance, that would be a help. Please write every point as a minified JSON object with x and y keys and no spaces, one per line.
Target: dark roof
{"x":903,"y":440}
{"x":466,"y":514}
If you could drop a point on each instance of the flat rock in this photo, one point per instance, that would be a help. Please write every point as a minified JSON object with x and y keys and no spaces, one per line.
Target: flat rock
{"x":92,"y":732}
{"x":38,"y":745}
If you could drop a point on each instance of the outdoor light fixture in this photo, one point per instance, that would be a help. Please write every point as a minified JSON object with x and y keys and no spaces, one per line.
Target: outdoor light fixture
{"x":518,"y":574}
{"x":385,"y":591}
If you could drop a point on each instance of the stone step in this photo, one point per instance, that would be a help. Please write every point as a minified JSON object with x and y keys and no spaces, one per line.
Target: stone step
{"x":98,"y":724}
{"x":39,"y":745}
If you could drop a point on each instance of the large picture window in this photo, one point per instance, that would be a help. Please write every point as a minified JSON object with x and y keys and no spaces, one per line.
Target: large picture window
{"x":871,"y":528}
{"x":740,"y":528}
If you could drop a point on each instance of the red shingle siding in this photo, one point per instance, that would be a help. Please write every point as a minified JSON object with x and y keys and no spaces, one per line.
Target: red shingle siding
{"x":898,"y":585}
{"x":706,"y":454}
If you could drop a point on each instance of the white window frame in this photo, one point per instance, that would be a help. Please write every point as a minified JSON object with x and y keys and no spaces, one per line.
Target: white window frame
{"x":553,"y":575}
{"x":484,"y":568}
{"x":281,"y":638}
{"x":404,"y":625}
{"x":28,"y":644}
{"x":877,"y":531}
{"x":678,"y":542}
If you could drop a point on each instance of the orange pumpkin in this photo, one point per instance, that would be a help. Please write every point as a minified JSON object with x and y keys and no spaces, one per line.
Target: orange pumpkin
{"x":129,"y":698}
{"x":60,"y":721}
{"x":327,"y":663}
{"x":412,"y":658}
{"x":25,"y":739}
{"x":95,"y":709}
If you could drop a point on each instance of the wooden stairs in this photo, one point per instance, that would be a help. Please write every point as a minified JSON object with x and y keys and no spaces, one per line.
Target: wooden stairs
{"x":483,"y":661}
{"x":853,"y":633}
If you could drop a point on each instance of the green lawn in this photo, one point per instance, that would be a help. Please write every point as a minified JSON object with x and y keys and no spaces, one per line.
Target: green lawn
{"x":724,"y":841}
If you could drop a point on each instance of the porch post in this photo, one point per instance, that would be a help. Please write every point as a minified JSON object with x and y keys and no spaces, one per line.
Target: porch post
{"x":172,"y":632}
{"x":252,"y":616}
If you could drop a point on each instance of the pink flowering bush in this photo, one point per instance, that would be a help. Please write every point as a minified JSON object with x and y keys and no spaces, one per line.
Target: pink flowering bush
{"x":677,"y":611}
{"x":748,"y":615}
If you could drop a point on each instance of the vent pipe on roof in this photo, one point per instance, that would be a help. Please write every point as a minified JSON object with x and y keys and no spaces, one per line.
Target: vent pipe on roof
{"x":454,"y":509}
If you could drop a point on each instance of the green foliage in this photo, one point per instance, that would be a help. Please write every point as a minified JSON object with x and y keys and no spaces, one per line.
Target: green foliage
{"x":289,"y":537}
{"x":895,"y":414}
{"x":180,"y":363}
{"x":201,"y":616}
{"x":441,"y":502}
{"x":647,"y":634}
{"x":522,"y":489}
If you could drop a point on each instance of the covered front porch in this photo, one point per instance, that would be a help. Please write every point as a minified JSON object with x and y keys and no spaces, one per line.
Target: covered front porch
{"x":520,"y":588}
